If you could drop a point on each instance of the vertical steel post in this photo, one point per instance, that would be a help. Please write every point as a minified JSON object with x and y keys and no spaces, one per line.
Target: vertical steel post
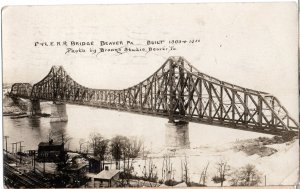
{"x":181,"y":89}
{"x":171,"y":91}
{"x":246,"y":108}
{"x":221,"y":102}
{"x":200,"y":97}
{"x":272,"y":114}
{"x":233,"y":106}
{"x":259,"y":111}
{"x":209,"y":102}
{"x":140,"y":96}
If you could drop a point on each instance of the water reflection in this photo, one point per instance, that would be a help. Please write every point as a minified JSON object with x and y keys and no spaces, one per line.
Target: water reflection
{"x":34,"y":122}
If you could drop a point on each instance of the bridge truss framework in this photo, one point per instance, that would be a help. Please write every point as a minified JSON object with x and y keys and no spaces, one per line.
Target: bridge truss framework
{"x":177,"y":91}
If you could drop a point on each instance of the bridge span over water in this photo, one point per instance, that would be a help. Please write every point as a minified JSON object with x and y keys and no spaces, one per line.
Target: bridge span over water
{"x":176,"y":91}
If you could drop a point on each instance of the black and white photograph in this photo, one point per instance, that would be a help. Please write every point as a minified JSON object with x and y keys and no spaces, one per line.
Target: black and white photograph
{"x":150,"y":95}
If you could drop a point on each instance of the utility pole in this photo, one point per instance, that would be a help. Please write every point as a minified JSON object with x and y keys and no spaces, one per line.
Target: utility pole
{"x":20,"y":145}
{"x":6,"y":137}
{"x":22,"y":148}
{"x":44,"y":164}
{"x":32,"y":153}
{"x":265,"y":180}
{"x":21,"y":153}
{"x":34,"y":161}
{"x":19,"y":149}
{"x":13,"y":145}
{"x":12,"y":148}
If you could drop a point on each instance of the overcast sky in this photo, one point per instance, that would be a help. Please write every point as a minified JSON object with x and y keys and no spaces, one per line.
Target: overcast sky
{"x":252,"y":45}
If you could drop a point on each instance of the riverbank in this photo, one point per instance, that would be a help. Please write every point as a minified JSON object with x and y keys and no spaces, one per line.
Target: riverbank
{"x":17,"y":111}
{"x":11,"y":109}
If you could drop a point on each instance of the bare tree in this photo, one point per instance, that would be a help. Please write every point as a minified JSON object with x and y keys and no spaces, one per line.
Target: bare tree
{"x":59,"y":135}
{"x":185,"y":170}
{"x":150,"y":171}
{"x":222,"y":169}
{"x":246,"y":176}
{"x":167,"y":170}
{"x":81,"y":143}
{"x":203,"y":175}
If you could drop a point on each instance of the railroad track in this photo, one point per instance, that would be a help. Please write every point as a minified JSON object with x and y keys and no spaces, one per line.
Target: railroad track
{"x":15,"y":176}
{"x":22,"y":179}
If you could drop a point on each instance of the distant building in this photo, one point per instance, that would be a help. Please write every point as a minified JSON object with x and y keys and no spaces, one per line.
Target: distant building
{"x":108,"y":165}
{"x":108,"y":178}
{"x":51,"y":152}
{"x":95,"y":165}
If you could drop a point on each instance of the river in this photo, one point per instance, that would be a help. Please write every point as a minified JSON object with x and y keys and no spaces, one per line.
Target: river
{"x":86,"y":120}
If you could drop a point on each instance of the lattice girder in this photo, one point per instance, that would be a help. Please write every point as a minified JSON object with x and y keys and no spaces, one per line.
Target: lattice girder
{"x":177,"y":91}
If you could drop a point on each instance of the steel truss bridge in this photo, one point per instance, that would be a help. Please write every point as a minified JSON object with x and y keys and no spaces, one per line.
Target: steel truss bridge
{"x":177,"y":91}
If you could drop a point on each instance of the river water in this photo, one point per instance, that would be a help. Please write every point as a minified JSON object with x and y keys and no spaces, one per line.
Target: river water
{"x":86,"y":120}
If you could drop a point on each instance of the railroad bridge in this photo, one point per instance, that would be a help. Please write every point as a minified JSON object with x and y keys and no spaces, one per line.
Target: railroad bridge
{"x":176,"y":91}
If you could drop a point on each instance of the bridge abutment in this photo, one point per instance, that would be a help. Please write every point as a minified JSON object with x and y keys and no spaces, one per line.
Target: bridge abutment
{"x":33,"y":107}
{"x":177,"y":135}
{"x":58,"y":112}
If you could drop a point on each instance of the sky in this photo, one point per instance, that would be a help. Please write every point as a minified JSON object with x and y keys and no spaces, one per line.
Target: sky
{"x":251,"y":45}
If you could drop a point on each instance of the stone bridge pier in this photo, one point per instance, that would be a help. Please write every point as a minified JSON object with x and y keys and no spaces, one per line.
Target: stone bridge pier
{"x":58,"y":112}
{"x":177,"y":135}
{"x":33,"y":107}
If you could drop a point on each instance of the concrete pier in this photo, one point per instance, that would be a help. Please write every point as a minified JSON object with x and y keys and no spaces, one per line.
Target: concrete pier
{"x":58,"y":112}
{"x":33,"y":107}
{"x":177,"y":135}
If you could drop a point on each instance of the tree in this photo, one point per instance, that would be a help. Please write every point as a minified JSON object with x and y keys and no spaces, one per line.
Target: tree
{"x":117,"y":146}
{"x":81,"y":143}
{"x":203,"y":175}
{"x":185,"y":171}
{"x":57,"y":133}
{"x":150,"y":171}
{"x":127,"y":149}
{"x":99,"y":146}
{"x":222,"y":169}
{"x":167,"y":171}
{"x":132,"y":148}
{"x":246,"y":176}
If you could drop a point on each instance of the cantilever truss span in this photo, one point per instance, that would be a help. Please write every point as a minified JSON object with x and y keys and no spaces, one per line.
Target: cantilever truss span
{"x":177,"y":91}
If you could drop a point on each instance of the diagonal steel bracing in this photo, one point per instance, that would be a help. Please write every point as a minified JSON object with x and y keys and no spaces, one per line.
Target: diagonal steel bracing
{"x":177,"y":91}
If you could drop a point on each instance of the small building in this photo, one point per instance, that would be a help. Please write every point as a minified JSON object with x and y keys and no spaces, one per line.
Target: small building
{"x":108,"y":165}
{"x":95,"y":165}
{"x":76,"y":174}
{"x":51,"y":152}
{"x":108,"y":178}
